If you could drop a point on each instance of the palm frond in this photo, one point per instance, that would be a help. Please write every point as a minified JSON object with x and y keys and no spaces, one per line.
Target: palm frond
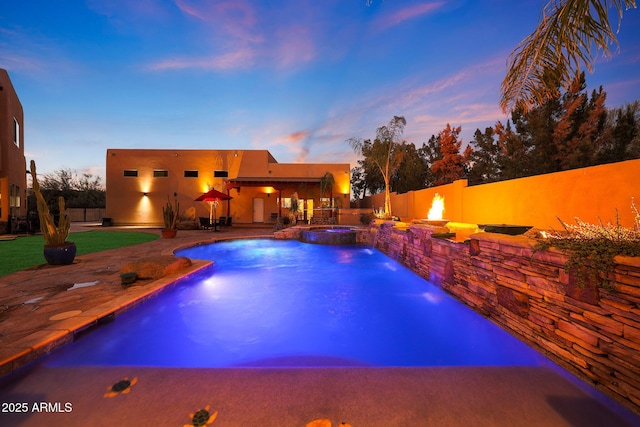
{"x":571,"y":34}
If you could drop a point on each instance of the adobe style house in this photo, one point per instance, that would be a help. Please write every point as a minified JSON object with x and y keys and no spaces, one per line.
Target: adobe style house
{"x":139,"y":181}
{"x":13,"y":166}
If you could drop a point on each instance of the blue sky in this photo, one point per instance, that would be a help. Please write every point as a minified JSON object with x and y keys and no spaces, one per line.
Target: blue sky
{"x":295,"y":77}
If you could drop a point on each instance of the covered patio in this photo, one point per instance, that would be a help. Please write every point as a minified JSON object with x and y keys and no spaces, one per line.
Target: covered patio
{"x":312,"y":193}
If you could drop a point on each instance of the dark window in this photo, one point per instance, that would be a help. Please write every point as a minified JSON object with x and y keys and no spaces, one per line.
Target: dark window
{"x":16,"y":132}
{"x":160,"y":173}
{"x":130,"y":172}
{"x":190,"y":174}
{"x":220,"y":174}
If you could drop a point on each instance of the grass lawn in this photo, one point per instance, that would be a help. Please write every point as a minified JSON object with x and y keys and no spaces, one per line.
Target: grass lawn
{"x":26,"y":251}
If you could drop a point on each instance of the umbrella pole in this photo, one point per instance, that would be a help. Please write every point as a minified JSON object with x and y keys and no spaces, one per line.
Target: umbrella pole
{"x":215,"y":221}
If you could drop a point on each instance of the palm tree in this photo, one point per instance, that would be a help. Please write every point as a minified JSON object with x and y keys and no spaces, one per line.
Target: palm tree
{"x":570,"y":32}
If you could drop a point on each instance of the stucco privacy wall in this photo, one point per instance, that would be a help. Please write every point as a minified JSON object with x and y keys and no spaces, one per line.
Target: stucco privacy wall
{"x":589,"y":193}
{"x":590,"y":331}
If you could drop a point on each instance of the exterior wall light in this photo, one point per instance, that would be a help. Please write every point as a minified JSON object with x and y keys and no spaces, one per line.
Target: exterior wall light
{"x":145,"y":194}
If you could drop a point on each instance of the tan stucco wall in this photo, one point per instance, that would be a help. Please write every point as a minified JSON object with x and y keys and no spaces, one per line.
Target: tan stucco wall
{"x":12,"y":161}
{"x":588,"y":193}
{"x":126,"y":203}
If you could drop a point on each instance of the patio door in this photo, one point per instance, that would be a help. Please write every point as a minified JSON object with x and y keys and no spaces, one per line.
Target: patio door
{"x":258,"y":209}
{"x":309,"y":212}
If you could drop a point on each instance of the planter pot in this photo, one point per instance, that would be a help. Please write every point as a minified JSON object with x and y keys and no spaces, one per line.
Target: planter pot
{"x":169,"y":233}
{"x":60,"y":254}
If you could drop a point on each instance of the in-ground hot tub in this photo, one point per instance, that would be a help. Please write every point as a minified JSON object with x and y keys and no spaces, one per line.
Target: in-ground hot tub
{"x":329,"y":236}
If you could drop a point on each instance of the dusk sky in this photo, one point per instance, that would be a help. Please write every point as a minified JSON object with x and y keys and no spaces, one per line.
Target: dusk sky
{"x":295,"y":77}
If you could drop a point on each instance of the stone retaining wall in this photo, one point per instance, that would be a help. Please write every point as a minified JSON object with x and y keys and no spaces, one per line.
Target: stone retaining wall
{"x":295,"y":233}
{"x":590,"y":331}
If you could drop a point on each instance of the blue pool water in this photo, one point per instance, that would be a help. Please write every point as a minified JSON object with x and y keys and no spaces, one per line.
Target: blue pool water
{"x":287,"y":303}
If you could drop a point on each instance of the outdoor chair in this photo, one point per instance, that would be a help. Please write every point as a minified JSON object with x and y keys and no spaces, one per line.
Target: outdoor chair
{"x":205,"y":223}
{"x":228,"y":223}
{"x":222,"y":221}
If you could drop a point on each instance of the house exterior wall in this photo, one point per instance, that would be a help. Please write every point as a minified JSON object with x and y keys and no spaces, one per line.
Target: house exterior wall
{"x":128,"y":205}
{"x":13,"y":178}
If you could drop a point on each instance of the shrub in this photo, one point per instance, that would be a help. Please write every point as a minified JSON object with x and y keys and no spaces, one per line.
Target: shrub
{"x":366,"y":218}
{"x":593,"y":247}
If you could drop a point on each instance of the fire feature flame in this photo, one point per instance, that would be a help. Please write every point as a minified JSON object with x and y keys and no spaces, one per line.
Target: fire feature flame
{"x":437,"y":208}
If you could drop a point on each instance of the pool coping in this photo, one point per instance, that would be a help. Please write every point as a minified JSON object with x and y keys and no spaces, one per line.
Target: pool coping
{"x":22,"y":353}
{"x":26,"y":350}
{"x":39,"y":343}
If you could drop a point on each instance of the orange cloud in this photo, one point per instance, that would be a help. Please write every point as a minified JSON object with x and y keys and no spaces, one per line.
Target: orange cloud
{"x":295,"y":136}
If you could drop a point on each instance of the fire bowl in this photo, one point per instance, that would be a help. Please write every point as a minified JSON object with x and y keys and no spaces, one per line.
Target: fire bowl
{"x":435,"y":222}
{"x":510,"y":229}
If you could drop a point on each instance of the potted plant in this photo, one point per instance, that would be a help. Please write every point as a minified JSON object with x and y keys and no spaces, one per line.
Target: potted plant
{"x":57,"y":251}
{"x":170,"y":215}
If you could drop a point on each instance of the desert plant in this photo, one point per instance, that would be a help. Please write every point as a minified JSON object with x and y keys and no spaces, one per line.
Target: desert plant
{"x":171,"y":214}
{"x":326,"y":184}
{"x":593,"y":247}
{"x":295,"y":206}
{"x":53,"y":235}
{"x":366,"y":218}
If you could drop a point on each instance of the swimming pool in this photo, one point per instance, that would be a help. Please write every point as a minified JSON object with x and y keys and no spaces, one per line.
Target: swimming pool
{"x":283,"y":303}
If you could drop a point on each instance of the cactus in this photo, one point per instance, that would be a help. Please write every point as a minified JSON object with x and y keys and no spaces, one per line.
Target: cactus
{"x":170,"y":214}
{"x":53,"y":236}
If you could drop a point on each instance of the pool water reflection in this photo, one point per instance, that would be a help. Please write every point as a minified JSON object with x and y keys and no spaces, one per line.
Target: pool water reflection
{"x":287,"y":303}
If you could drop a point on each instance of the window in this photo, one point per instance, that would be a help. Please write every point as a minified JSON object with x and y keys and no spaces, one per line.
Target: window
{"x":326,"y":202}
{"x":131,"y":172}
{"x":16,"y":132}
{"x":285,"y":202}
{"x":14,"y":196}
{"x":190,"y":174}
{"x":220,"y":174}
{"x":160,"y":173}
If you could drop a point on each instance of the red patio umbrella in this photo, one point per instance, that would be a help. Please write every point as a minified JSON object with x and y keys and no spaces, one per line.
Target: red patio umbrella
{"x":212,"y":197}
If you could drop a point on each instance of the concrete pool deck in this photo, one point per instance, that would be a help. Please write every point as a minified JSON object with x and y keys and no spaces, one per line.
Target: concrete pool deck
{"x":38,"y":312}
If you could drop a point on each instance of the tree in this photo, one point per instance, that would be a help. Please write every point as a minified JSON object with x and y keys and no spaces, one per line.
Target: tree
{"x":580,"y":127}
{"x":484,"y":158}
{"x":358,"y":182}
{"x":513,"y":158}
{"x":622,"y":140}
{"x":385,"y":153}
{"x":326,"y":188}
{"x":451,"y":166}
{"x":365,"y":178}
{"x":570,"y":33}
{"x":84,"y":191}
{"x":535,"y":129}
{"x":430,"y":152}
{"x":412,"y":173}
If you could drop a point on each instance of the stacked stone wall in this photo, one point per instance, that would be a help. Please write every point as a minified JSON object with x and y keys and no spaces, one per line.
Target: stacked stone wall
{"x":591,"y":331}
